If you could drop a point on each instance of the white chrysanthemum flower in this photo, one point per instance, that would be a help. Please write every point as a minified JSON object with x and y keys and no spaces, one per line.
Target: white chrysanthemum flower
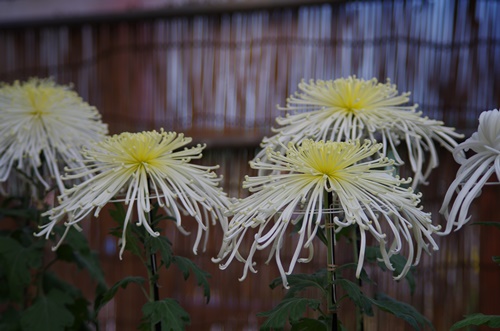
{"x":43,"y":127}
{"x":352,"y":108}
{"x":474,"y":171}
{"x":365,"y":191}
{"x":138,"y":168}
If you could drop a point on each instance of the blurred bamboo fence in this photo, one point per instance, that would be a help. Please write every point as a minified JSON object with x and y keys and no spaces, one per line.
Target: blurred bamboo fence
{"x":217,"y":76}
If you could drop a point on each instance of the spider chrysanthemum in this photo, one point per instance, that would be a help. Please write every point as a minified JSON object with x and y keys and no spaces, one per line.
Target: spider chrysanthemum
{"x":353,"y":108}
{"x":43,"y":127}
{"x":474,"y":171}
{"x":366,"y":193}
{"x":139,"y":168}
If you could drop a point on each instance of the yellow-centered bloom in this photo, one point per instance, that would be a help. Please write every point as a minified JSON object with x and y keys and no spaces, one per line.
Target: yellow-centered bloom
{"x":43,"y":127}
{"x":138,"y":168}
{"x":352,"y":108}
{"x":364,"y":194}
{"x":474,"y":171}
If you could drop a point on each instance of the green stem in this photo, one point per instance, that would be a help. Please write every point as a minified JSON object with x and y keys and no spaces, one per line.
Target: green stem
{"x":355,"y":245}
{"x":330,"y":235}
{"x":154,"y":293}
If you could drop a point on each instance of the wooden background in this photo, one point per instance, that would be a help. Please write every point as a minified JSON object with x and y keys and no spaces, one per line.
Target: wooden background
{"x":217,"y":74}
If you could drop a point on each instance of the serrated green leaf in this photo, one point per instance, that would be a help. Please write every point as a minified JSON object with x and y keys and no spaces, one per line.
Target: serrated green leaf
{"x":168,"y":312}
{"x":399,"y":262}
{"x":299,"y":282}
{"x":18,"y":260}
{"x":118,"y":213}
{"x":372,"y":254}
{"x":48,"y":313}
{"x":307,"y":324}
{"x":164,"y":246}
{"x":76,"y":249}
{"x":82,"y":315}
{"x":363,"y":275}
{"x":493,"y":321}
{"x":52,"y":281}
{"x":133,"y":243}
{"x":288,"y":310}
{"x":9,"y":320}
{"x":90,"y":262}
{"x":79,"y":308}
{"x":104,"y":297}
{"x":187,"y":266}
{"x":356,"y":295}
{"x":401,"y":310}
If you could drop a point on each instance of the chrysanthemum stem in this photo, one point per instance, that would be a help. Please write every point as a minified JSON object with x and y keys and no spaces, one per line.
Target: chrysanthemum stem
{"x":330,"y":232}
{"x":153,"y":282}
{"x":356,"y":246}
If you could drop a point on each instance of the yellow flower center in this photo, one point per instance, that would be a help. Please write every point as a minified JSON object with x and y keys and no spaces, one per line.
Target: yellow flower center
{"x":318,"y":158}
{"x":41,"y":99}
{"x":142,"y":150}
{"x":353,"y":94}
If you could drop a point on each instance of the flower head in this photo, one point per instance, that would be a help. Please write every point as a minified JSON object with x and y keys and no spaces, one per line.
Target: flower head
{"x":474,"y":171}
{"x":352,"y":108}
{"x":43,"y":127}
{"x":140,"y":167}
{"x":365,"y":192}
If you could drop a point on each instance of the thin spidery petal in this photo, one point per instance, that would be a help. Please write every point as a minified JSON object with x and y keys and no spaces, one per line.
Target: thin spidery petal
{"x":43,"y":127}
{"x":138,"y":168}
{"x":365,"y":194}
{"x":352,"y":108}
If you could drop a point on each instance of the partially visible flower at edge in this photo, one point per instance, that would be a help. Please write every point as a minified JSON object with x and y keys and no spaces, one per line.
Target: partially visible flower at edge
{"x":43,"y":127}
{"x":352,"y":108}
{"x":366,"y":192}
{"x":474,"y":171}
{"x":138,"y":168}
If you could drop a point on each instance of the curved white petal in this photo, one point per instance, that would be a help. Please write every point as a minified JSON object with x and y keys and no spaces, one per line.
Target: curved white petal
{"x":362,"y":186}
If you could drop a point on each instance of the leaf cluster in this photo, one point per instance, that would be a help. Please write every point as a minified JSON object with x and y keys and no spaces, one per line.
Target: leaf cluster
{"x":293,"y":308}
{"x":34,"y":296}
{"x":166,"y":312}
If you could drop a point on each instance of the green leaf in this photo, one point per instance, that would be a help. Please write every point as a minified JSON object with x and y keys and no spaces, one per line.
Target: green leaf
{"x":133,"y":242}
{"x":307,"y":324}
{"x":356,"y":295}
{"x":76,"y":249}
{"x":372,"y":254}
{"x":9,"y":320}
{"x":79,"y":308}
{"x":187,"y":266}
{"x":18,"y":260}
{"x":48,"y":313}
{"x":493,"y":321}
{"x":399,"y":262}
{"x":495,"y":224}
{"x":83,"y":318}
{"x":52,"y":281}
{"x":299,"y":282}
{"x":164,"y":246}
{"x":118,"y":213}
{"x":401,"y":310}
{"x":363,"y":275}
{"x":104,"y":297}
{"x":496,"y":259}
{"x":290,"y":309}
{"x":168,"y":312}
{"x":320,"y":233}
